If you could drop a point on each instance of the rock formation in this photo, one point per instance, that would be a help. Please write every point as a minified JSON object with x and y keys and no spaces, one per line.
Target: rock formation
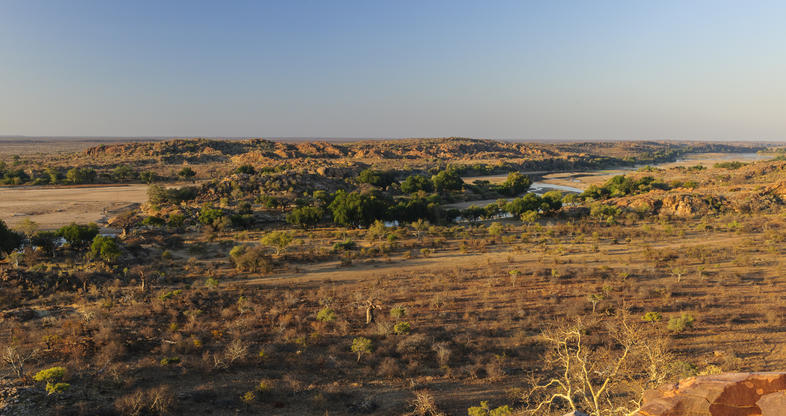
{"x":731,"y":394}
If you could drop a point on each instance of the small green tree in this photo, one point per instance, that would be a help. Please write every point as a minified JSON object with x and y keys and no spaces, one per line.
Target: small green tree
{"x":326,"y":314}
{"x":105,"y":248}
{"x":279,"y":240}
{"x":361,"y":346}
{"x":53,"y":377}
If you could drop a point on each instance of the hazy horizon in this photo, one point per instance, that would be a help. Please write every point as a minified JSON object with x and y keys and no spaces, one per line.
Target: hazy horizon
{"x":530,"y":71}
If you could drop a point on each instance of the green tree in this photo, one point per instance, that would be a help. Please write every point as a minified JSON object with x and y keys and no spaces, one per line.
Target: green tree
{"x":415,"y":183}
{"x":27,"y":227}
{"x":210,"y":216}
{"x":78,"y":236}
{"x":356,"y":209}
{"x":516,"y":184}
{"x":361,"y":346}
{"x":306,"y":217}
{"x":81,"y":175}
{"x":447,"y":180}
{"x":9,"y":240}
{"x":148,"y":177}
{"x":279,"y":240}
{"x":123,"y":173}
{"x":105,"y":248}
{"x":380,"y":178}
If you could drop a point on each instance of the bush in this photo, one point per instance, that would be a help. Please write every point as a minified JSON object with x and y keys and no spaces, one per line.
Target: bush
{"x":398,"y":312}
{"x":345,"y":245}
{"x":186,"y":173}
{"x":681,"y":323}
{"x":326,"y":315}
{"x":56,"y":388}
{"x":50,"y":374}
{"x":250,"y":259}
{"x":402,"y":328}
{"x":170,"y":360}
{"x":652,"y":317}
{"x":210,"y":216}
{"x":485,"y":410}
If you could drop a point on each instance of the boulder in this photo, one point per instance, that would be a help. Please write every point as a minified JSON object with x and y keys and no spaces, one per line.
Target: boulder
{"x":730,"y":394}
{"x":773,"y":404}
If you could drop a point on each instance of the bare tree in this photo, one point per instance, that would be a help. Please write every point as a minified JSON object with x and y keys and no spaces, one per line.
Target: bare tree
{"x":15,"y":359}
{"x":600,"y":366}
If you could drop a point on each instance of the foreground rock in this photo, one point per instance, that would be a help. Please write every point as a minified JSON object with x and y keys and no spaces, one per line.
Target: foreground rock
{"x":732,"y":394}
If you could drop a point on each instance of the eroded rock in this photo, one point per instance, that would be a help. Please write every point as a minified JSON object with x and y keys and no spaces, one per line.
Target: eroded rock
{"x":731,"y":394}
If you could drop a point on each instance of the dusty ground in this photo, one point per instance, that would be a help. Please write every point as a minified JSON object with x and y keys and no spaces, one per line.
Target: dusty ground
{"x":53,"y":207}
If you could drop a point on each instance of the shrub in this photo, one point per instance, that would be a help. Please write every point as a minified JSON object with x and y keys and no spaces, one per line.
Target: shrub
{"x":170,"y":360}
{"x":361,"y":346}
{"x":652,"y":317}
{"x":53,"y":376}
{"x":210,"y":216}
{"x":50,"y":374}
{"x":398,"y":312}
{"x":153,"y":221}
{"x":250,"y":259}
{"x":485,"y":410}
{"x":186,"y":173}
{"x":56,"y":388}
{"x":248,"y":397}
{"x":402,"y":328}
{"x":326,"y":315}
{"x":345,"y":245}
{"x":681,"y":323}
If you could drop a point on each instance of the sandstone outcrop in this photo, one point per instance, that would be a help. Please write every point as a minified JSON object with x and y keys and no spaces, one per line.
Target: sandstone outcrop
{"x":731,"y":394}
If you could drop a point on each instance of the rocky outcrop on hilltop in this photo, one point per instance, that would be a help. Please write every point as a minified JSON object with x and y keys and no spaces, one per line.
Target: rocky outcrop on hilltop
{"x":731,"y":394}
{"x":689,"y":204}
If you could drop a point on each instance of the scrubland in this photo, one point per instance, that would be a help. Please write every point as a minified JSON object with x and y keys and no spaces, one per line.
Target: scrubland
{"x":215,"y":298}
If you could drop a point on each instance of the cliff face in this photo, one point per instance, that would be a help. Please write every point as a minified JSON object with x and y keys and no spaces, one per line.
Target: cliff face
{"x":731,"y":394}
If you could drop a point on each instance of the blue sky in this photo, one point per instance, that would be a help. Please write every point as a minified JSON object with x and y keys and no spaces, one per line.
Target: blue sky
{"x":499,"y":69}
